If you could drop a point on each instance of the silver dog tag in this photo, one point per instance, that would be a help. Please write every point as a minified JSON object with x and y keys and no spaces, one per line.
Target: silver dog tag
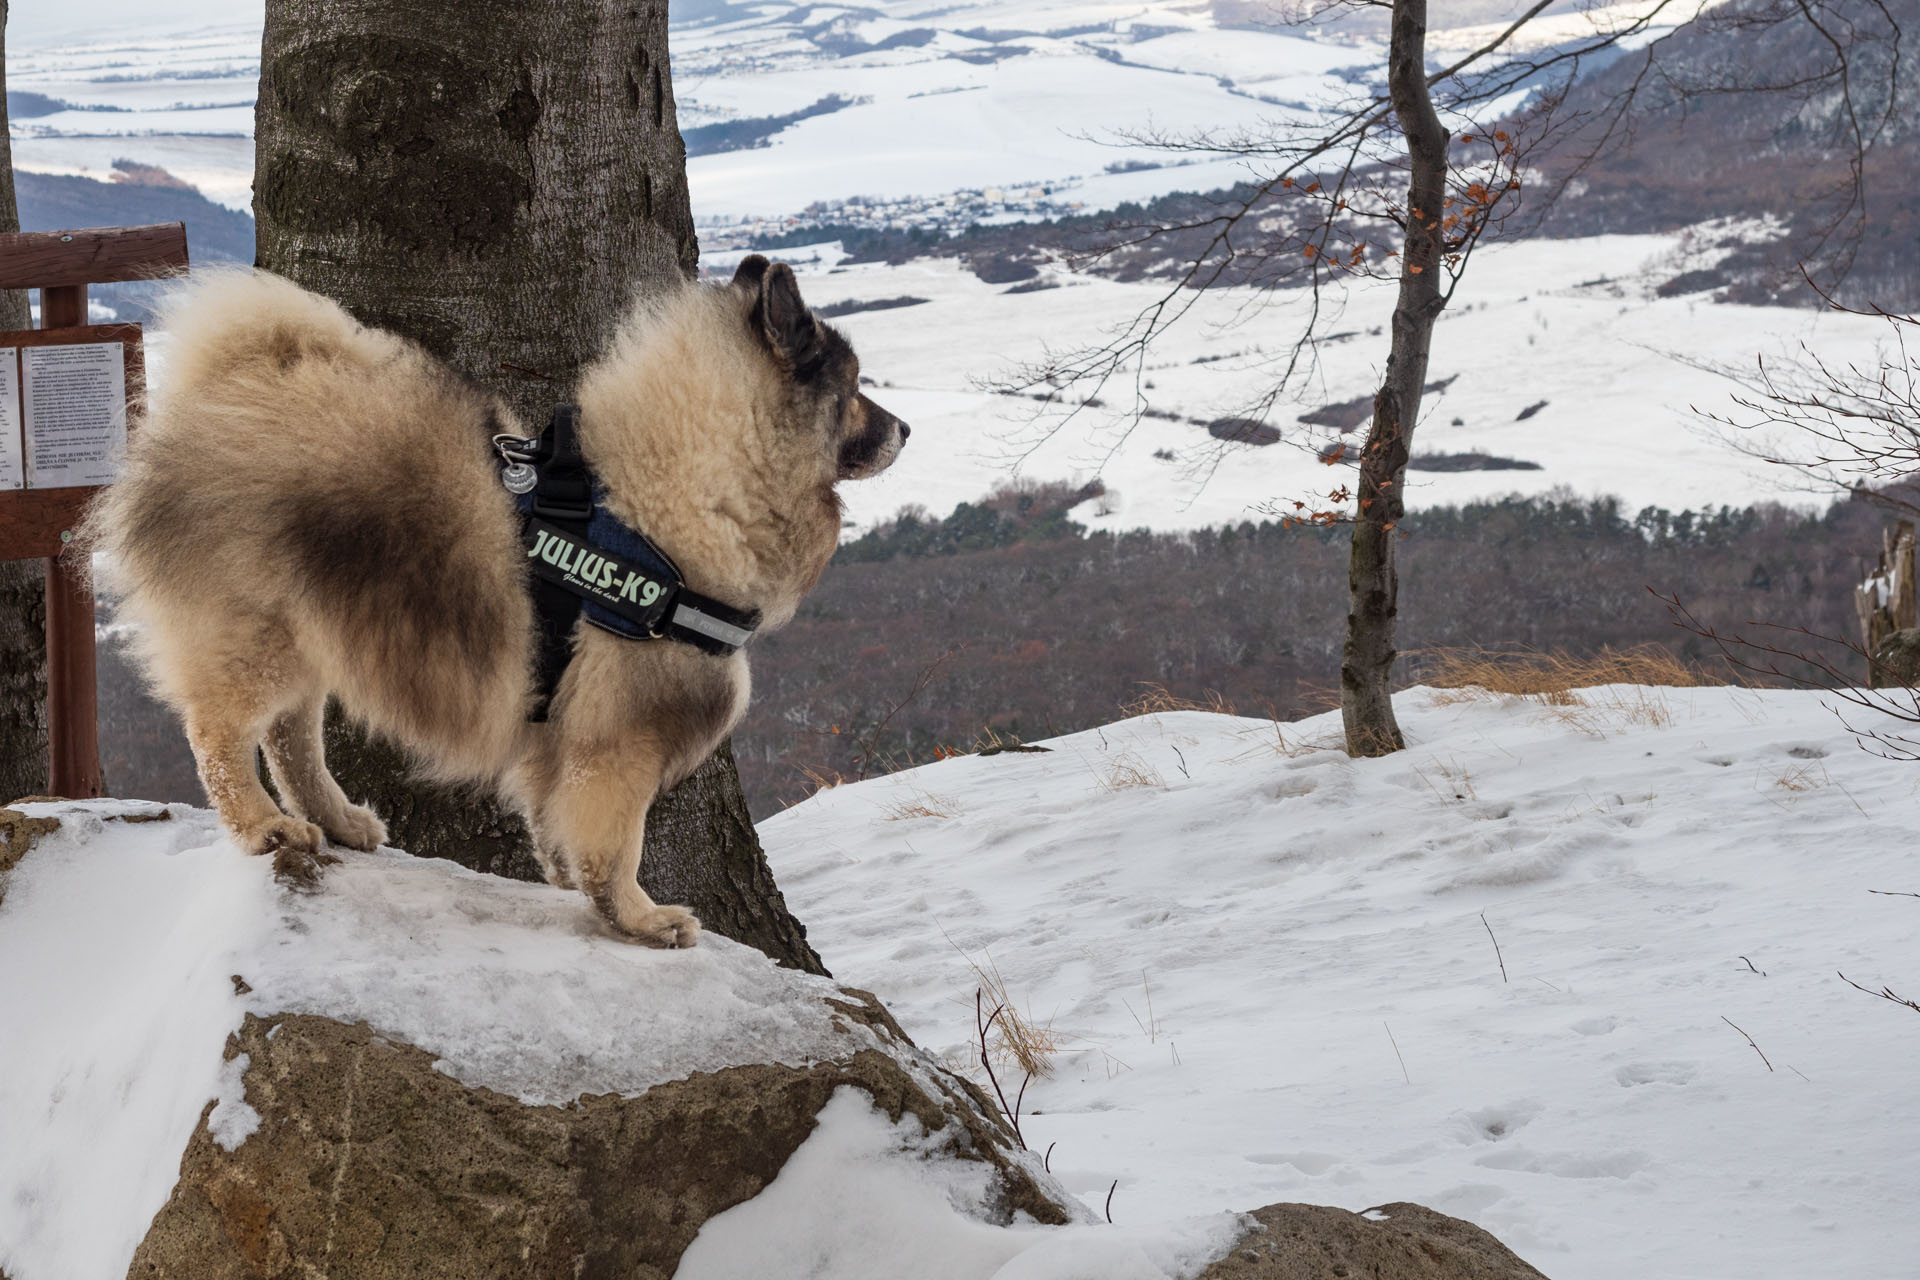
{"x":519,"y":477}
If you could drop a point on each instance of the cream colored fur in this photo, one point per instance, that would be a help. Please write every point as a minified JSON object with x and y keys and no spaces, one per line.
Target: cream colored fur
{"x":311,"y":508}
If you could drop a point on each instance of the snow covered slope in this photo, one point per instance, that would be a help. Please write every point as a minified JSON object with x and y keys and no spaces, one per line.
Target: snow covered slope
{"x":134,"y":939}
{"x":1271,"y":970}
{"x":1269,"y":973}
{"x":1557,"y":353}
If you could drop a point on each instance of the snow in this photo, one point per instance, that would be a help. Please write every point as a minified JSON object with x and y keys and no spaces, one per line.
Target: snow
{"x":1269,"y":972}
{"x":121,"y":942}
{"x":863,"y":1199}
{"x":1621,"y":371}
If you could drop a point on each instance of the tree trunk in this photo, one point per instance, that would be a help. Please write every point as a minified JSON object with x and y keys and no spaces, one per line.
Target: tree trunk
{"x":1373,"y":582}
{"x":23,"y":583}
{"x":492,"y":178}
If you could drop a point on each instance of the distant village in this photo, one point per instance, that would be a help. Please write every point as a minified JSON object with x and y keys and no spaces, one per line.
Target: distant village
{"x":945,"y":214}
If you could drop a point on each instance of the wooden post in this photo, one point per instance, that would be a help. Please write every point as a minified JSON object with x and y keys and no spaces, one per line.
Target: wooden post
{"x":36,"y":522}
{"x":73,"y":708}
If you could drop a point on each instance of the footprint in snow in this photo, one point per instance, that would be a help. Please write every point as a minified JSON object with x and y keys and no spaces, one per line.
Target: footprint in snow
{"x":1638,"y":1073}
{"x":1492,"y":1124}
{"x":1311,"y":1163}
{"x":1568,"y":1164}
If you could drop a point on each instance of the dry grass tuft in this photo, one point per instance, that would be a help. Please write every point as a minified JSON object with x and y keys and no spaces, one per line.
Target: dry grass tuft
{"x":1154,"y":698}
{"x":1593,"y":694}
{"x":1014,"y":1037}
{"x":1272,"y":736}
{"x":819,"y":781}
{"x":922,"y":804}
{"x":1802,"y":778}
{"x":1551,"y":678}
{"x":1129,"y":771}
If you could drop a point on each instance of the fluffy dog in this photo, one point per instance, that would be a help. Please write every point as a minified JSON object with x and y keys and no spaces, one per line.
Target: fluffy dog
{"x":312,"y":507}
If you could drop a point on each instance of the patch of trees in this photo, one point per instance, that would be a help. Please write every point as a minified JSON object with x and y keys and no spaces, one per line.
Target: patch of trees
{"x":754,"y":131}
{"x":1031,"y":637}
{"x":1033,"y":626}
{"x":853,"y":306}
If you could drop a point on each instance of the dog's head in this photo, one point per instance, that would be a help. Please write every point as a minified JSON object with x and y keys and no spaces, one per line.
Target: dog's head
{"x":821,"y":373}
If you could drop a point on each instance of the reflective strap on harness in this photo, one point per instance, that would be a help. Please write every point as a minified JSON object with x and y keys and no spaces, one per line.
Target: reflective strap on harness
{"x":692,"y":619}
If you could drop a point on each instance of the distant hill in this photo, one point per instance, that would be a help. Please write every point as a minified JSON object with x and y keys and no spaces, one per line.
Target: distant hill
{"x":53,"y":202}
{"x":1732,"y":152}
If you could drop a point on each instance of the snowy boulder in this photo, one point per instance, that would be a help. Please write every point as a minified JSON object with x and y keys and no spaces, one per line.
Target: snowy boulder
{"x":370,"y":1161}
{"x":1392,"y":1242}
{"x":416,"y":1070}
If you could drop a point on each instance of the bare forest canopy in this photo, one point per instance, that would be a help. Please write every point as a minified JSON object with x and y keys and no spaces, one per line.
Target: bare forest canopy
{"x":1754,"y":113}
{"x":1013,"y":621}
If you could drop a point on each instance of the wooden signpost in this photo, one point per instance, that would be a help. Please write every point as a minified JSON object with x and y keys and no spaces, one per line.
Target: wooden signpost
{"x":65,"y":390}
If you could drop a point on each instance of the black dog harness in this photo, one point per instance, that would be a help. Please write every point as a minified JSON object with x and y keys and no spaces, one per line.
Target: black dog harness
{"x":587,"y":563}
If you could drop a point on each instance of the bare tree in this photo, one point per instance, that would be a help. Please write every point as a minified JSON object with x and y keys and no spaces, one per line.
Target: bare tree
{"x":1404,"y":181}
{"x":493,"y":178}
{"x":1837,"y":429}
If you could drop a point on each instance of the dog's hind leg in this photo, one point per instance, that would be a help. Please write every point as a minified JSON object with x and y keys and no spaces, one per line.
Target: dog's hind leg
{"x":231,"y":689}
{"x":296,"y":754}
{"x":597,"y":812}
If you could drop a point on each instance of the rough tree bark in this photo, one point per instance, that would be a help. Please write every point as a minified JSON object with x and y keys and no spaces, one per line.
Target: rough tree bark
{"x":23,"y":583}
{"x":493,"y":178}
{"x":1373,"y":581}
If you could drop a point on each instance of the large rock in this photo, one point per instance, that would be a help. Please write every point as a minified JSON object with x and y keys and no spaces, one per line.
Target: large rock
{"x":370,"y":1162}
{"x":1393,"y":1242}
{"x":412,"y":1070}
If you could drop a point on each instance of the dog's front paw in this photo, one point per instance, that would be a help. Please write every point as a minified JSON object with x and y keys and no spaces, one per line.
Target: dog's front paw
{"x":660,"y":927}
{"x":294,"y":846}
{"x":357,"y":827}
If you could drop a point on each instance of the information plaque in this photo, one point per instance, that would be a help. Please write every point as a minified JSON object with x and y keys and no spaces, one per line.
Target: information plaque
{"x":13,"y":463}
{"x":63,"y":426}
{"x":75,"y":413}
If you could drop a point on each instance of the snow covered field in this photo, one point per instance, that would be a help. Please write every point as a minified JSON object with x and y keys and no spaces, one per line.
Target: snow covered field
{"x":1610,"y":372}
{"x":1266,"y":966}
{"x":983,"y":95}
{"x":1270,"y":970}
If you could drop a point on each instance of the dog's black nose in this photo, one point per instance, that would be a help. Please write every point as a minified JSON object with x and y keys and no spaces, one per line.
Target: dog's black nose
{"x":905,"y":431}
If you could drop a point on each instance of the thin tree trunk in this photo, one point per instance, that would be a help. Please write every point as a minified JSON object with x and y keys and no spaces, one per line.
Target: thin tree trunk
{"x":1373,"y":582}
{"x":493,"y":178}
{"x":23,"y":583}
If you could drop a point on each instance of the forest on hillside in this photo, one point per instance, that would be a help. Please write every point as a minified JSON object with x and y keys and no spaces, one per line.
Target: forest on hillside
{"x":1005,"y":621}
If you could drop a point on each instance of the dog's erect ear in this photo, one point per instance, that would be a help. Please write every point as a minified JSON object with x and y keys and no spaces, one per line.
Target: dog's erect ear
{"x":785,"y":321}
{"x":751,"y":271}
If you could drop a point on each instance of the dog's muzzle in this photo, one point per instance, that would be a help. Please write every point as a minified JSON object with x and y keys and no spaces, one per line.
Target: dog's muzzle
{"x":876,"y":446}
